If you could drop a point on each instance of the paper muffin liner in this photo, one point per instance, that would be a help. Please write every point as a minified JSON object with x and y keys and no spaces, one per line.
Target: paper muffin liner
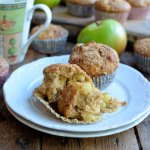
{"x":34,"y":97}
{"x":143,"y":63}
{"x":103,"y":81}
{"x":121,"y":17}
{"x":139,"y":13}
{"x":50,"y":46}
{"x":80,"y":10}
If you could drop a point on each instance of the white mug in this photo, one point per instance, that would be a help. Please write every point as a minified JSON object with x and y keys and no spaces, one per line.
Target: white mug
{"x":15,"y":20}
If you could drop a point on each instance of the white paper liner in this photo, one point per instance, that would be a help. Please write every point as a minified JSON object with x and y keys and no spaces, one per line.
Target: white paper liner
{"x":104,"y":81}
{"x":50,"y":46}
{"x":143,"y":63}
{"x":46,"y":104}
{"x":121,"y":17}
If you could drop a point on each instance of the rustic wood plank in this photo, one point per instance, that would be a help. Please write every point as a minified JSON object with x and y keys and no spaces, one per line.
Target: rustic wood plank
{"x":15,"y":136}
{"x":143,"y":132}
{"x":129,"y":59}
{"x":125,"y":141}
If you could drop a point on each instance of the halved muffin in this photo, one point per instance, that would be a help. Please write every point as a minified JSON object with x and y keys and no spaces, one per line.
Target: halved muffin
{"x":69,"y":93}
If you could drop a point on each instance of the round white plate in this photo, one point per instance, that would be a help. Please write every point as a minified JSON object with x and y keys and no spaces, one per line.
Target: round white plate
{"x":129,"y":85}
{"x":78,"y":134}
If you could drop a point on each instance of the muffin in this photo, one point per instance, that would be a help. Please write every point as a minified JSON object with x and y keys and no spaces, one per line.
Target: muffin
{"x":52,"y":40}
{"x":4,"y":70}
{"x":112,"y":9}
{"x":69,"y":93}
{"x":81,"y":8}
{"x":140,"y":9}
{"x":142,"y":54}
{"x":99,"y":61}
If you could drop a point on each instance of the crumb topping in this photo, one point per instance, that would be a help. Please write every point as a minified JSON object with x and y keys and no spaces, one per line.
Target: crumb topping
{"x":142,"y":47}
{"x":52,"y":32}
{"x":113,"y":5}
{"x":95,"y":58}
{"x":139,"y":3}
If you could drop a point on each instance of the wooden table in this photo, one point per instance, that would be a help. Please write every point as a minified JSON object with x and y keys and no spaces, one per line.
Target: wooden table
{"x":16,"y":136}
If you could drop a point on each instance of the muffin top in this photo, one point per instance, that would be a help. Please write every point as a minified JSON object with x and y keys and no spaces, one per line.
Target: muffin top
{"x":95,"y":58}
{"x":113,"y":5}
{"x":142,"y":47}
{"x":57,"y":76}
{"x":139,"y":3}
{"x":52,"y":32}
{"x":82,"y":2}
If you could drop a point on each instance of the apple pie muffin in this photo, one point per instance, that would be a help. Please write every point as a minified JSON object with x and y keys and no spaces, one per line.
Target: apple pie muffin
{"x":99,"y":61}
{"x":69,"y":93}
{"x":142,"y":54}
{"x":140,"y":9}
{"x":112,"y":9}
{"x":50,"y":41}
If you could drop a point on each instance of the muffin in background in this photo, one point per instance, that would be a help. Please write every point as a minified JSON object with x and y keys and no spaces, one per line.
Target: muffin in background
{"x":4,"y":70}
{"x":140,"y":9}
{"x":99,"y":61}
{"x":52,"y":40}
{"x":142,"y":54}
{"x":81,"y":8}
{"x":112,"y":9}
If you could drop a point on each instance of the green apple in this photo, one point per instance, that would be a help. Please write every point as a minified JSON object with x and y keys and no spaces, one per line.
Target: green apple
{"x":109,"y":32}
{"x":49,"y":3}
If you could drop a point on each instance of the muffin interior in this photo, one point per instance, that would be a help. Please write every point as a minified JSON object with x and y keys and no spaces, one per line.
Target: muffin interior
{"x":69,"y":93}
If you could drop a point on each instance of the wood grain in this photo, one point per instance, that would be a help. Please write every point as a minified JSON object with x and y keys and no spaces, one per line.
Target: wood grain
{"x":15,"y":136}
{"x":122,"y":141}
{"x":144,"y":133}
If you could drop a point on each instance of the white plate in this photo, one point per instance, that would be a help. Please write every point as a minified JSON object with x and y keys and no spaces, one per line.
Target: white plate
{"x":129,"y":85}
{"x":78,"y":134}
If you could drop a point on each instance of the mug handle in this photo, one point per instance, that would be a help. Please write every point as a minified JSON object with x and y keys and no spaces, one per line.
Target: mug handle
{"x":44,"y":26}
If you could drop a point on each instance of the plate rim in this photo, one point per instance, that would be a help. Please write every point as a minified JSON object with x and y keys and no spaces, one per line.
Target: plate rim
{"x":76,"y":134}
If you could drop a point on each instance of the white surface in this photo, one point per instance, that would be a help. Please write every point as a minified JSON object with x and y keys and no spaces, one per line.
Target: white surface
{"x":129,"y":85}
{"x":78,"y":134}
